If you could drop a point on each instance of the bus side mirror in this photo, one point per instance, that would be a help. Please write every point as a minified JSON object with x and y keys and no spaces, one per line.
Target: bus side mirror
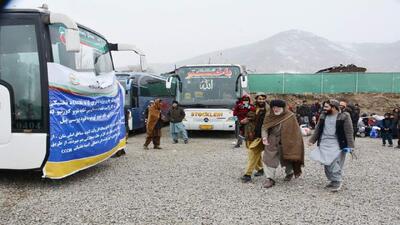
{"x":72,"y":41}
{"x":71,"y":35}
{"x":129,"y":47}
{"x":143,"y":63}
{"x":168,"y":83}
{"x":244,"y":81}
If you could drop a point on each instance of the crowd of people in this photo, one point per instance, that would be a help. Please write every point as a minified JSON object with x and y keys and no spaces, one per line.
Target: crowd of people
{"x":276,"y":141}
{"x":270,"y":131}
{"x":386,"y":127}
{"x":273,"y":138}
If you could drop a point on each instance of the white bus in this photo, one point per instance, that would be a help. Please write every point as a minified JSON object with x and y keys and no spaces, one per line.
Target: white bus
{"x":61,"y":106}
{"x":208,"y":93}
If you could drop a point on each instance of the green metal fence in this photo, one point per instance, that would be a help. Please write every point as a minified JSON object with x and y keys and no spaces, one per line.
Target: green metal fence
{"x":325,"y":83}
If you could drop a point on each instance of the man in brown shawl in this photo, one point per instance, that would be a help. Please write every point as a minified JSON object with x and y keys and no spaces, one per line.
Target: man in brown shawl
{"x":154,"y":124}
{"x":283,"y":143}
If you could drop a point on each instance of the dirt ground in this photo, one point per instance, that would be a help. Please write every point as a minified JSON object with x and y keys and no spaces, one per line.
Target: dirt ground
{"x":199,"y":183}
{"x":369,"y":103}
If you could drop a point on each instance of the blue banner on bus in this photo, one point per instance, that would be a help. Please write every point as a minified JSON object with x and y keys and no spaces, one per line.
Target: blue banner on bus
{"x":85,"y":127}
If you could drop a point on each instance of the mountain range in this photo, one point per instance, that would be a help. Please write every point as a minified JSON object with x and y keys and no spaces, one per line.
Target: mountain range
{"x":296,"y":51}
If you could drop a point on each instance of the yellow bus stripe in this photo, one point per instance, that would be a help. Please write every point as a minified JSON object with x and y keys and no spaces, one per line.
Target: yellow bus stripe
{"x":58,"y":170}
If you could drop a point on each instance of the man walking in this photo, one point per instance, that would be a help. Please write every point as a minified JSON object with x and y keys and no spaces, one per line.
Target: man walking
{"x":153,"y":125}
{"x":254,"y":143}
{"x":334,"y":137}
{"x":175,"y":115}
{"x":283,"y":143}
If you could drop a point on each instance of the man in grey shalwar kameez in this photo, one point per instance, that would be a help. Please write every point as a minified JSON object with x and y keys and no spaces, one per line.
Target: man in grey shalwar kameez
{"x":333,"y":134}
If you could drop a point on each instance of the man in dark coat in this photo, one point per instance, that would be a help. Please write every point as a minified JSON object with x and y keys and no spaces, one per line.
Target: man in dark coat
{"x":316,"y":109}
{"x":386,"y":126}
{"x":304,"y":113}
{"x":354,"y":112}
{"x":175,"y":116}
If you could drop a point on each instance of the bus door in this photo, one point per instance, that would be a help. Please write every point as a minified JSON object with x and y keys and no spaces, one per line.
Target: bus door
{"x":151,"y":88}
{"x":23,"y":93}
{"x":135,"y":110}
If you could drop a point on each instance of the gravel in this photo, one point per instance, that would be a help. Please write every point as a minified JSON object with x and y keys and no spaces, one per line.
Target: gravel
{"x":199,"y":183}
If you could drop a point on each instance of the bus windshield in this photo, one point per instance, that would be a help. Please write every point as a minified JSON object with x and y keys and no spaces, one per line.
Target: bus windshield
{"x":94,"y":55}
{"x":208,"y":85}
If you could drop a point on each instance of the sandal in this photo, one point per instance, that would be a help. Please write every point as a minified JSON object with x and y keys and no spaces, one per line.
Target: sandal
{"x":269,"y":183}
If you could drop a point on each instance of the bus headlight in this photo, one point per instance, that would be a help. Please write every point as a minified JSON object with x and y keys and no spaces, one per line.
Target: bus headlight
{"x":231,"y":119}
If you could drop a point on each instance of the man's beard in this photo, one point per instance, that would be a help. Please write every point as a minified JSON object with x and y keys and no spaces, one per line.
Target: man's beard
{"x":260,"y":104}
{"x":278,"y":113}
{"x":328,"y":112}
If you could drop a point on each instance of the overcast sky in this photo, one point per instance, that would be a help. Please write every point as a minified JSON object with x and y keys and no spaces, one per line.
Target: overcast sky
{"x":172,"y":30}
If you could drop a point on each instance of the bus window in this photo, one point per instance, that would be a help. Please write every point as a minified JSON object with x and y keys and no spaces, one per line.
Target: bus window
{"x":19,"y":63}
{"x":153,"y":87}
{"x":134,"y":96}
{"x":144,"y":87}
{"x":94,"y":55}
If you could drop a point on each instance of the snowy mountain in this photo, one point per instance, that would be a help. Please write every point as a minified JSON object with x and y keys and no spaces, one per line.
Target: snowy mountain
{"x":300,"y":51}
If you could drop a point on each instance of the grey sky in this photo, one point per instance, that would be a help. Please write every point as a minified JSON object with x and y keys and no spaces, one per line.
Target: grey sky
{"x":172,"y":30}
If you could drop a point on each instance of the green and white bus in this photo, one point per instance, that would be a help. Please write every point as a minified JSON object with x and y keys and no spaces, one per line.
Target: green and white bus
{"x":208,"y":94}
